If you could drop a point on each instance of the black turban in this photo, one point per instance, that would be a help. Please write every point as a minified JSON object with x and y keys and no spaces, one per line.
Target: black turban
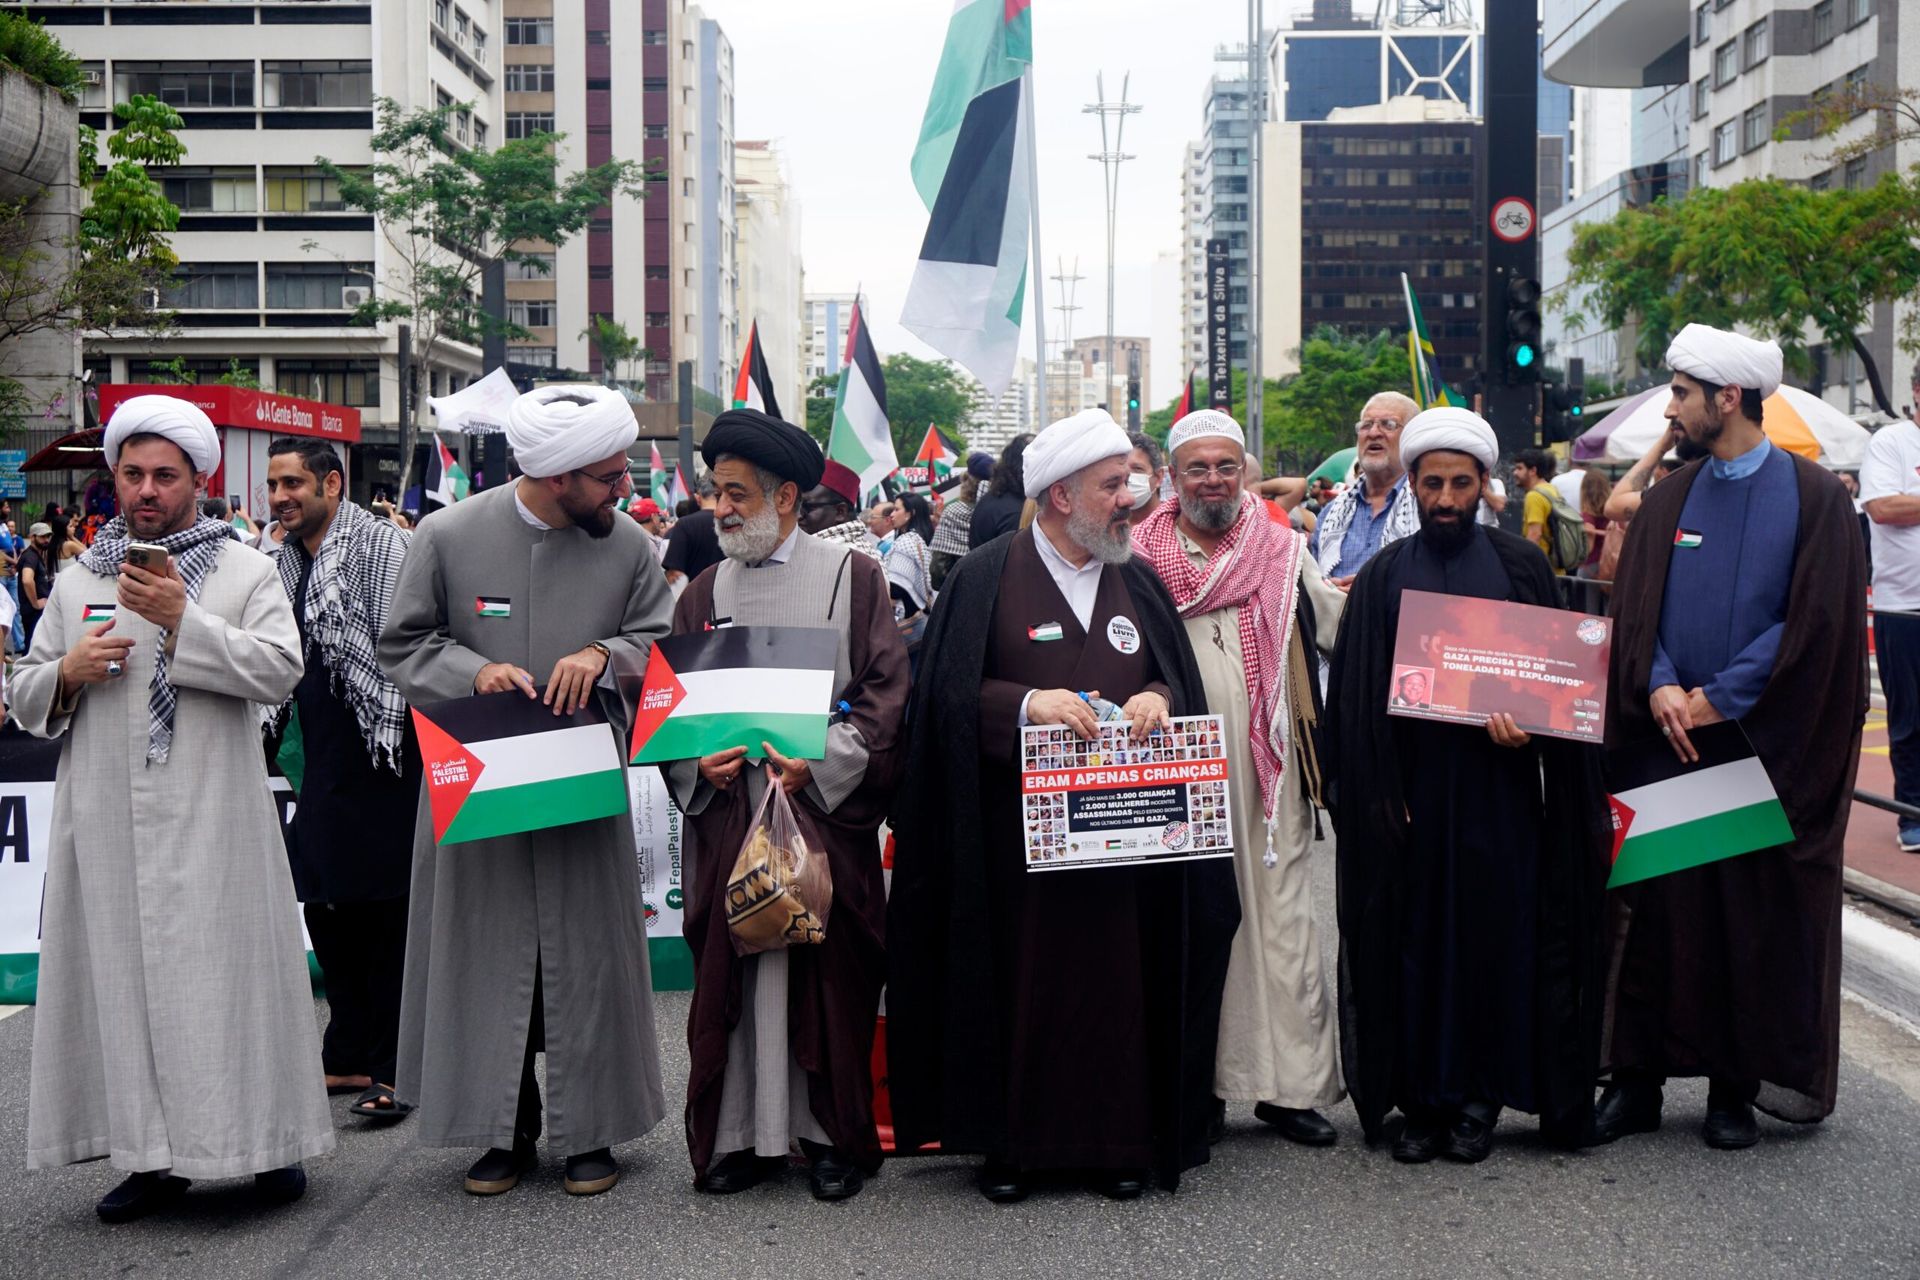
{"x":768,"y":443}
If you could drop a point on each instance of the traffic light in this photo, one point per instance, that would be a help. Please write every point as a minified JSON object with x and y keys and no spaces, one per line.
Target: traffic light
{"x":1523,"y":330}
{"x":1133,"y":404}
{"x":1562,"y":404}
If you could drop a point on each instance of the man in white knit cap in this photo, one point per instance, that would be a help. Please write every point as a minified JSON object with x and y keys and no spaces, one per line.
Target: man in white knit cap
{"x":527,"y":942}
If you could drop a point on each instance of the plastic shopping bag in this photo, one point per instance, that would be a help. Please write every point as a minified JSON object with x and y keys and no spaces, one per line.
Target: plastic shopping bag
{"x":781,"y":889}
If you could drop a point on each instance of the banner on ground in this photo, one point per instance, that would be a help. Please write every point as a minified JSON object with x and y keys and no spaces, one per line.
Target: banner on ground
{"x":502,"y":763}
{"x":1669,"y":815}
{"x":735,"y":687}
{"x":1109,"y":802}
{"x":1463,"y":659}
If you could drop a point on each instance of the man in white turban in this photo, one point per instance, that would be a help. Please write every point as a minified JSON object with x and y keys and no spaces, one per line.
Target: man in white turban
{"x":175,"y":1031}
{"x":1469,"y":931}
{"x":527,"y":942}
{"x":1053,"y":625}
{"x":1740,"y":595}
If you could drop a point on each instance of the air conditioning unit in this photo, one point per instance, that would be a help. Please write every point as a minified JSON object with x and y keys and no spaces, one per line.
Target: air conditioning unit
{"x":95,"y":75}
{"x":355,"y":297}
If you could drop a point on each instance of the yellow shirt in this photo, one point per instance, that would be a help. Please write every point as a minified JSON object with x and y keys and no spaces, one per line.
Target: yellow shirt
{"x":1539,"y":511}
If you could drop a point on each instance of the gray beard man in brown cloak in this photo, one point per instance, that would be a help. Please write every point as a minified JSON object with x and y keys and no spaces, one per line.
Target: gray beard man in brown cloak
{"x":782,"y":1041}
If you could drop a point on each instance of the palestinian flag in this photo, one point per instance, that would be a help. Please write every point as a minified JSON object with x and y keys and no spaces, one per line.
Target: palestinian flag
{"x":657,"y":483}
{"x":753,"y":389}
{"x":862,"y":438}
{"x":677,"y":492}
{"x":937,"y":454}
{"x":445,"y":482}
{"x":1185,"y":406}
{"x":499,"y":764}
{"x":972,"y":168}
{"x":1669,"y":816}
{"x":736,"y":687}
{"x":1428,"y":388}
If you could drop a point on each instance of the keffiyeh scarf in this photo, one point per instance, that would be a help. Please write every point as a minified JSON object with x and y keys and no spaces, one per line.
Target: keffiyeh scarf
{"x":1403,"y":521}
{"x":195,"y":550}
{"x":348,"y":594}
{"x":851,"y":534}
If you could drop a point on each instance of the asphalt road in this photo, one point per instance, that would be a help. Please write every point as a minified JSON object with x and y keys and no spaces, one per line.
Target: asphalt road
{"x":1838,"y":1200}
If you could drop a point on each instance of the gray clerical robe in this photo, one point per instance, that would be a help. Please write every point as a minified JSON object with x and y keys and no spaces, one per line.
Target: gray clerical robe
{"x":175,"y":1024}
{"x":489,"y":917}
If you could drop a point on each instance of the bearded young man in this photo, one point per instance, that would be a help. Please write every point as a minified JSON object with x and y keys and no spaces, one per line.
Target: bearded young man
{"x":782,"y":1042}
{"x":1470,"y":860}
{"x":1377,"y":509}
{"x":351,"y":839}
{"x":1741,"y":596}
{"x":174,"y":1034}
{"x":1258,"y":614}
{"x":1060,"y":1021}
{"x":542,"y":575}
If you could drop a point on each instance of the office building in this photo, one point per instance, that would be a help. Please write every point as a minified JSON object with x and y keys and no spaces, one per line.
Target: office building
{"x":825,"y":332}
{"x":768,"y":287}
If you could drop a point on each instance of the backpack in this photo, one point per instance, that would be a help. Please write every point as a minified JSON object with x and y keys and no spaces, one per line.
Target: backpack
{"x":1566,"y":532}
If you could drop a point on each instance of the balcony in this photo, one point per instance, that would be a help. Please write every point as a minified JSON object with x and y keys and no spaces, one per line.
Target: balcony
{"x":1620,"y":44}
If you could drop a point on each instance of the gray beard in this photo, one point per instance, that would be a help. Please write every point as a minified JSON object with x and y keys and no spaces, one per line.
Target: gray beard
{"x":1211,"y":517}
{"x":1099,"y":539}
{"x":757,"y":537}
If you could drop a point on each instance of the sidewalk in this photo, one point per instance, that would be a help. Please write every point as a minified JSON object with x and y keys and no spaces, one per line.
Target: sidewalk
{"x":1873,"y":844}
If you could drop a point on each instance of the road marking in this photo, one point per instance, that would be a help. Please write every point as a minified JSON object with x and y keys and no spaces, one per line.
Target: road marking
{"x":8,"y":1010}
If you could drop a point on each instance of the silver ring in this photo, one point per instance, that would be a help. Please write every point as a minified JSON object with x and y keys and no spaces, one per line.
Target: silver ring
{"x":114,"y":668}
{"x":1666,"y":731}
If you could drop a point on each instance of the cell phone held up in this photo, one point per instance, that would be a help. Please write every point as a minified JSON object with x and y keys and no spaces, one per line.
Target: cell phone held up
{"x":149,"y":556}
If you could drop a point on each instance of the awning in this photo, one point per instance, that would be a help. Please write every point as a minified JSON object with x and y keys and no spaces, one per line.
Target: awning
{"x":77,"y":452}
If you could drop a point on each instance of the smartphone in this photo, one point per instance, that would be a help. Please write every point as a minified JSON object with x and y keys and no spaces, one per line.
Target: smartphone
{"x":148,"y":556}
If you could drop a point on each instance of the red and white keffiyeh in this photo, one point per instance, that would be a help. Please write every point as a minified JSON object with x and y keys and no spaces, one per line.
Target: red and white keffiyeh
{"x":1255,"y":568}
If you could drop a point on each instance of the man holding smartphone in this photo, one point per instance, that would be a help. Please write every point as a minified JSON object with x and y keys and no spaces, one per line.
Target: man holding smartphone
{"x":175,"y":1031}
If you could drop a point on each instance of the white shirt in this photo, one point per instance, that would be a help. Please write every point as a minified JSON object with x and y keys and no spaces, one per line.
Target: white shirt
{"x":782,"y":552}
{"x":526,"y":512}
{"x":1079,"y":584}
{"x":1891,"y":470}
{"x":1568,"y":483}
{"x":1487,"y":515}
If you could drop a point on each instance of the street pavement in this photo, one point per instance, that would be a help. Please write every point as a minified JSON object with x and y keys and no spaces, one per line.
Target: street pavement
{"x":1873,"y":835}
{"x":1839,"y":1199}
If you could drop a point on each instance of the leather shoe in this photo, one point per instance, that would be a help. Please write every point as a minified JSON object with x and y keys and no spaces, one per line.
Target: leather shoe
{"x":1305,"y":1126}
{"x":1217,"y":1122}
{"x":1120,"y":1184}
{"x":591,"y":1172}
{"x":1625,"y":1109}
{"x":1002,"y":1183}
{"x":739,"y":1171}
{"x":139,"y":1195}
{"x":1419,"y":1142}
{"x":280,"y":1186}
{"x":832,"y":1176}
{"x":1468,"y":1140}
{"x":499,"y":1171}
{"x":1730,"y":1126}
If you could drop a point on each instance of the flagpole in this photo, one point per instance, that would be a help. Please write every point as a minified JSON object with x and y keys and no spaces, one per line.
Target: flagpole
{"x":1038,"y":277}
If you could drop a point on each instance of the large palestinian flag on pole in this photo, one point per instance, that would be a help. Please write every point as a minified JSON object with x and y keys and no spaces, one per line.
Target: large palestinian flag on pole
{"x":862,"y":438}
{"x":937,"y":454}
{"x":1185,"y":406}
{"x":973,"y":167}
{"x":657,"y":482}
{"x":1669,"y":816}
{"x":736,"y":687}
{"x":445,"y":481}
{"x":753,"y":389}
{"x":498,"y":764}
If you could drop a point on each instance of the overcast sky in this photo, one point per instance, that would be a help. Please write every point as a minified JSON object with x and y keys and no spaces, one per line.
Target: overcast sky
{"x":841,"y":87}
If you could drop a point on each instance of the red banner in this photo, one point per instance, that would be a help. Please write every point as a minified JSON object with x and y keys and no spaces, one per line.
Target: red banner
{"x":248,"y":409}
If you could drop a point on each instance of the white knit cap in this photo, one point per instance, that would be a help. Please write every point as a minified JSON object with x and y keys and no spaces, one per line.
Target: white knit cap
{"x":1066,"y":446}
{"x":1202,"y":424}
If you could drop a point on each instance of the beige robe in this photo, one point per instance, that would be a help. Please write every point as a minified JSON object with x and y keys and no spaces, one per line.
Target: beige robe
{"x":175,"y":1025}
{"x":1277,"y":1030}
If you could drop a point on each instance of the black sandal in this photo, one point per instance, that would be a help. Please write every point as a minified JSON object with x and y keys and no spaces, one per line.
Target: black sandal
{"x":369,"y":1105}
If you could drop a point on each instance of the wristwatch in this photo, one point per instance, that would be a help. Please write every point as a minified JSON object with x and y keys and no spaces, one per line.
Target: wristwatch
{"x":603,"y":651}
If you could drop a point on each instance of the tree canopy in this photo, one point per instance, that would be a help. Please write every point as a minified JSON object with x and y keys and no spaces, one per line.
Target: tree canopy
{"x":919,"y":393}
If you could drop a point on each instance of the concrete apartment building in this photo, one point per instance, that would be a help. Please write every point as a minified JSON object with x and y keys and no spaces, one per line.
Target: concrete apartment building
{"x":770,"y":278}
{"x":824,"y":331}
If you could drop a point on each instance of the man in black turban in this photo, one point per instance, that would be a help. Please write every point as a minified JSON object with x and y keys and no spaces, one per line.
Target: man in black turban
{"x":778,"y":448}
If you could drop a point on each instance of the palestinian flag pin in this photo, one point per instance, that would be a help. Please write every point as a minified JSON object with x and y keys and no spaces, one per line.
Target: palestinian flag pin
{"x":736,"y":687}
{"x":97,"y":614}
{"x":493,"y":607}
{"x":1686,"y":539}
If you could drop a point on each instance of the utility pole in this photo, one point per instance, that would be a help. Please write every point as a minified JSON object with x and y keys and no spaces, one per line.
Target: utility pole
{"x":1256,"y":115}
{"x":1111,"y":157}
{"x":1510,"y":324}
{"x":1069,"y":283}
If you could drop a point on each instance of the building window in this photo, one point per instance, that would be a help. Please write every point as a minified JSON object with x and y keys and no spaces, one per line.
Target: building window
{"x":1821,"y":181}
{"x":657,"y":320}
{"x":531,"y":270}
{"x":317,"y":286}
{"x":1753,"y":127}
{"x":1726,"y":63}
{"x":318,"y":84}
{"x":93,"y":91}
{"x":530,"y":31}
{"x":480,"y":134}
{"x":599,"y":37}
{"x":531,"y":313}
{"x":1856,"y":177}
{"x":1823,"y":27}
{"x":1726,"y":143}
{"x":1858,"y":11}
{"x":354,"y":382}
{"x":1702,"y":90}
{"x":600,"y":271}
{"x":1858,"y":90}
{"x":538,"y":357}
{"x":1720,"y":4}
{"x":524,"y":124}
{"x":1756,"y":45}
{"x":653,"y":84}
{"x":208,"y":190}
{"x":203,"y":368}
{"x":655,"y":37}
{"x":186,"y":84}
{"x":213,"y":286}
{"x":1702,"y":26}
{"x":302,"y":189}
{"x":529,"y":78}
{"x":440,"y":14}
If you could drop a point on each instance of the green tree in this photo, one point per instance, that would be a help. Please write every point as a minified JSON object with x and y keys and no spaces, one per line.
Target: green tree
{"x":448,"y":212}
{"x":919,"y":393}
{"x":615,"y":344}
{"x":1770,"y":256}
{"x":26,"y":46}
{"x":820,"y":394}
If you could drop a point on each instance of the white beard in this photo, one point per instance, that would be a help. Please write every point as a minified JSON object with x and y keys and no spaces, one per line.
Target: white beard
{"x":757,"y":537}
{"x":1100,"y":539}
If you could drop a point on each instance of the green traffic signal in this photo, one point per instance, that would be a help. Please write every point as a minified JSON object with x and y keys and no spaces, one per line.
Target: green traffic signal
{"x":1576,"y":410}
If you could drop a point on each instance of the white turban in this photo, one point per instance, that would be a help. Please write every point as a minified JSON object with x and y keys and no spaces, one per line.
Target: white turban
{"x":1203,"y":424}
{"x":1066,"y":446}
{"x":1725,"y":359}
{"x":180,"y":421}
{"x":1460,"y":430}
{"x":552,"y":435}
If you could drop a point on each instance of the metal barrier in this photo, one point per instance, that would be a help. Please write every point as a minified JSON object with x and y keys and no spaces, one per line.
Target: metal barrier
{"x":1888,"y":803}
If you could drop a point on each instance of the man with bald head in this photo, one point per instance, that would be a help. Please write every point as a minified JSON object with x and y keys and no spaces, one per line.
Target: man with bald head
{"x":535,"y":941}
{"x":1064,"y":1020}
{"x":1377,"y":509}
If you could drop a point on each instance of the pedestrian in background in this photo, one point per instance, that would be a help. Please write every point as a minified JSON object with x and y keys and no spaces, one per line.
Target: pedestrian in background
{"x":1890,"y":495}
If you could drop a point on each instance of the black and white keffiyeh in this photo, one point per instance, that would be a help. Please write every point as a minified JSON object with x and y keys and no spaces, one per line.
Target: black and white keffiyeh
{"x":195,"y":550}
{"x":348,"y":594}
{"x":851,"y":534}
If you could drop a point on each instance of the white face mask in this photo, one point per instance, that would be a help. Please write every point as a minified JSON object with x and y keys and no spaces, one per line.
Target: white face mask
{"x":1141,"y":487}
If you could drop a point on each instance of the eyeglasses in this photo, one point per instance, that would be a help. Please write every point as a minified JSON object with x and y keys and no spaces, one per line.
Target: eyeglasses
{"x":1200,"y":471}
{"x":612,"y":480}
{"x":1383,"y":424}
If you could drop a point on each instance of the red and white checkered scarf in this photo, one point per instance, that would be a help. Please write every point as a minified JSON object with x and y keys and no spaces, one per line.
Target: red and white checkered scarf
{"x":1255,"y":568}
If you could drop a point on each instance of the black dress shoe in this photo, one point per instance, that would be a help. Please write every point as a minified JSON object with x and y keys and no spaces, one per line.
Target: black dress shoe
{"x":1120,"y":1184}
{"x":1625,"y":1109}
{"x":591,"y":1172}
{"x":499,"y":1170}
{"x":1468,"y":1140}
{"x":739,"y":1171}
{"x":1002,"y":1183}
{"x":1305,"y":1126}
{"x":140,"y":1195}
{"x":280,"y":1186}
{"x":1419,"y":1142}
{"x":1730,"y":1126}
{"x":1217,"y":1122}
{"x":832,"y":1176}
